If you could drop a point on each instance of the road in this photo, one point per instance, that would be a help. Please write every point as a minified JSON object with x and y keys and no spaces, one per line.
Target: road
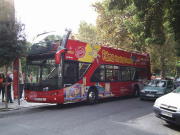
{"x":127,"y":116}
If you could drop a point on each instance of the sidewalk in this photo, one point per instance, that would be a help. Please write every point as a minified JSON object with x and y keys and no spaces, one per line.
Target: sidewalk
{"x":16,"y":109}
{"x":16,"y":106}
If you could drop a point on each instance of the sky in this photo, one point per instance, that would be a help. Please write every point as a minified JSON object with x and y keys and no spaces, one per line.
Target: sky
{"x":53,"y":15}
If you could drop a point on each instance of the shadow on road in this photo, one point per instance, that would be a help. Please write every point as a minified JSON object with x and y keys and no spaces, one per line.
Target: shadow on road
{"x":43,"y":108}
{"x":80,"y":104}
{"x":173,"y":127}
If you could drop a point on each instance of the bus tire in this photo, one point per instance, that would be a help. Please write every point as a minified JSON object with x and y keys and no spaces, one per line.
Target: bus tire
{"x":92,"y":96}
{"x":59,"y":105}
{"x":136,"y":91}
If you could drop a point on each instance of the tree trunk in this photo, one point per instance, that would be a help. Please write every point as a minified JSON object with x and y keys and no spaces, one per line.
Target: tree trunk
{"x":162,"y":63}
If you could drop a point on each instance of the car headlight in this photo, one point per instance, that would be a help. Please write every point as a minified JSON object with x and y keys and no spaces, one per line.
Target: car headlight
{"x":157,"y":103}
{"x":142,"y":91}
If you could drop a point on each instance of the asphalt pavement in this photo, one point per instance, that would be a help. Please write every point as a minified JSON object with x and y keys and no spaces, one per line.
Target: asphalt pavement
{"x":125,"y":116}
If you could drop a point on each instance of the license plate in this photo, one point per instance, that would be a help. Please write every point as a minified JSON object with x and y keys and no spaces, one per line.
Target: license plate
{"x":150,"y":95}
{"x":168,"y":114}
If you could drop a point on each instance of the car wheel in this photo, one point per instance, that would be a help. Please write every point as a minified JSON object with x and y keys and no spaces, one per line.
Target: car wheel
{"x":136,"y":91}
{"x":170,"y":123}
{"x":141,"y":98}
{"x":92,"y":96}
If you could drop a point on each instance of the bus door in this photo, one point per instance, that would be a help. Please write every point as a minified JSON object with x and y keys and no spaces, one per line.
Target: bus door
{"x":70,"y":73}
{"x":126,"y":74}
{"x":112,"y":77}
{"x":106,"y":79}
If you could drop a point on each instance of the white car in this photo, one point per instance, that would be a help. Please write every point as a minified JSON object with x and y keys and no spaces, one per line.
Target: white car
{"x":167,"y":107}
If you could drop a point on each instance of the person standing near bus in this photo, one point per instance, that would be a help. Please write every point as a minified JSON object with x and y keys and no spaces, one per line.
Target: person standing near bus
{"x":9,"y":82}
{"x":2,"y":80}
{"x":21,"y":85}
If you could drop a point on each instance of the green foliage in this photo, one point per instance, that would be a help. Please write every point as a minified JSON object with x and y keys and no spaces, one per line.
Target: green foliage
{"x":163,"y":58}
{"x":23,"y":64}
{"x":175,"y":21}
{"x":144,"y":25}
{"x":137,"y":34}
{"x":111,"y":27}
{"x":87,"y":33}
{"x":52,"y":38}
{"x":159,"y":17}
{"x":12,"y":42}
{"x":119,"y":4}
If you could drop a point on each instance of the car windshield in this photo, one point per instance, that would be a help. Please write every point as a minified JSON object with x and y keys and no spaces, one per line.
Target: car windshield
{"x":161,"y":84}
{"x":157,"y":83}
{"x":177,"y":90}
{"x":152,"y":83}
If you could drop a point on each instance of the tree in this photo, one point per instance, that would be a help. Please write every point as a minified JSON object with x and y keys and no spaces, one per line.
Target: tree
{"x":52,"y":38}
{"x":87,"y":33}
{"x":158,"y":21}
{"x":12,"y":44}
{"x":110,"y":26}
{"x":175,"y":21}
{"x":163,"y":57}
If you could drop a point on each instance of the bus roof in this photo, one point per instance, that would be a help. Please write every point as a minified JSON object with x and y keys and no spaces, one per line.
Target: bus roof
{"x":84,"y":52}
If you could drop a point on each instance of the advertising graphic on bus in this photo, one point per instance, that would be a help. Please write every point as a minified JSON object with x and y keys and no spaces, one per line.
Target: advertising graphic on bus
{"x":74,"y":71}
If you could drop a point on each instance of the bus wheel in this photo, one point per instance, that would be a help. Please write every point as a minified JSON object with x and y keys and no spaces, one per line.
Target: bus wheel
{"x":92,"y":96}
{"x":136,"y":91}
{"x":59,"y":105}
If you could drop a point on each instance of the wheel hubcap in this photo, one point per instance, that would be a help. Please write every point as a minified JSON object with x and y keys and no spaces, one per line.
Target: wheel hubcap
{"x":92,"y":96}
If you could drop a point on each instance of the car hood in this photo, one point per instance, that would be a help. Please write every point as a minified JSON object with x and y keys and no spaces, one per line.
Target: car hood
{"x":153,"y":88}
{"x":172,"y":99}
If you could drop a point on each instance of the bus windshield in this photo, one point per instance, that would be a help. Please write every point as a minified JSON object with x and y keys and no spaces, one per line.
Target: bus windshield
{"x":43,"y":73}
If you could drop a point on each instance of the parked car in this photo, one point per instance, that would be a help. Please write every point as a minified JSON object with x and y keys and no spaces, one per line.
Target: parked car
{"x":156,"y":88}
{"x":177,"y":82}
{"x":167,"y":107}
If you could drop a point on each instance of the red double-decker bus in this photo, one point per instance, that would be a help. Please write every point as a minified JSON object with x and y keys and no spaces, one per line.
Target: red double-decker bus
{"x":74,"y":71}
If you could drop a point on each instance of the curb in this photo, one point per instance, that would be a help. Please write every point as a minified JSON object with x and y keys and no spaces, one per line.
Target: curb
{"x":14,"y":111}
{"x":8,"y":109}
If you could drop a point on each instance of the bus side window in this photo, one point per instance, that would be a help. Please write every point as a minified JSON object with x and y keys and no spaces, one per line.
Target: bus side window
{"x":109,"y":75}
{"x":116,"y":75}
{"x":83,"y":67}
{"x":140,"y":74}
{"x":125,"y":74}
{"x":133,"y":71}
{"x":98,"y":75}
{"x":70,"y":73}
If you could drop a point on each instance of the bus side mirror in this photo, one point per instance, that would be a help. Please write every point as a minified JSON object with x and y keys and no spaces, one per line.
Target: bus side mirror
{"x":58,"y":56}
